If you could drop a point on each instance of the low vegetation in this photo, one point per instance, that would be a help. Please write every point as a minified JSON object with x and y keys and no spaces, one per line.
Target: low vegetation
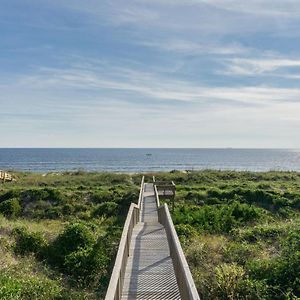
{"x":240,"y":231}
{"x":59,"y":233}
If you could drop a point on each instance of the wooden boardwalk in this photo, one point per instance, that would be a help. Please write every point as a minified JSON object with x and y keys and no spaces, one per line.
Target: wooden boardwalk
{"x":4,"y":176}
{"x":149,"y":272}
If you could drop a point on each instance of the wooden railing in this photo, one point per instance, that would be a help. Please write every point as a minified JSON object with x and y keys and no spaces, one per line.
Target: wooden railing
{"x":183,"y":274}
{"x":5,"y":176}
{"x":156,"y":196}
{"x":169,"y":183}
{"x":114,"y":291}
{"x":141,"y":191}
{"x":184,"y":277}
{"x":165,"y":188}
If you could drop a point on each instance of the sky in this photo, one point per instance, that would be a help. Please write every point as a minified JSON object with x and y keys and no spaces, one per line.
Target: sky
{"x":150,"y":73}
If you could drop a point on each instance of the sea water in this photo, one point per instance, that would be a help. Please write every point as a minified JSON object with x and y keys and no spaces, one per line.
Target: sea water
{"x":144,"y":160}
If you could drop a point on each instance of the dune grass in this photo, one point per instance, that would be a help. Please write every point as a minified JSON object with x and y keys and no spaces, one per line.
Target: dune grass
{"x":59,"y":233}
{"x":240,"y":231}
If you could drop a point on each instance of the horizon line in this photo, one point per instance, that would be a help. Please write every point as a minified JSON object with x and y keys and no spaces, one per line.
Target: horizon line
{"x":183,"y":148}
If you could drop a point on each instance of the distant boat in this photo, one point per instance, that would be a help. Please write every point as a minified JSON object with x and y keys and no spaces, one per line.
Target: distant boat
{"x":148,"y":154}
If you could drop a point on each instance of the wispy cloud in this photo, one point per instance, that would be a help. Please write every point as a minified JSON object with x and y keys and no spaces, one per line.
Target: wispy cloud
{"x":264,"y":66}
{"x":212,"y":72}
{"x":194,"y":48}
{"x":286,"y":8}
{"x":158,"y":87}
{"x":203,"y":17}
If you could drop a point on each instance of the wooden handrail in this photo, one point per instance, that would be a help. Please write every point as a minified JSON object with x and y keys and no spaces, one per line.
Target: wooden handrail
{"x":114,"y":291}
{"x":184,"y":277}
{"x":141,"y":191}
{"x":162,"y":183}
{"x":183,"y":274}
{"x":165,"y":186}
{"x":156,"y":196}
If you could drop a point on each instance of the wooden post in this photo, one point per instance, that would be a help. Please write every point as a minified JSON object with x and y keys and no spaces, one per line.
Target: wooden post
{"x":173,"y":204}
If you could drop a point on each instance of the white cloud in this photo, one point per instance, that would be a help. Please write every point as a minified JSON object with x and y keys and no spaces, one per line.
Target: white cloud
{"x":286,"y":8}
{"x":192,"y":47}
{"x":136,"y":94}
{"x":97,"y":121}
{"x":254,"y":66}
{"x":137,"y":84}
{"x":203,"y":17}
{"x":131,"y":108}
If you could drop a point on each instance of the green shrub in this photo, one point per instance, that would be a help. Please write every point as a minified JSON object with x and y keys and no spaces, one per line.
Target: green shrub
{"x":106,"y":209}
{"x":217,"y":218}
{"x":253,"y":289}
{"x":267,"y":199}
{"x":77,"y":263}
{"x":282,"y":272}
{"x":10,"y":208}
{"x":213,"y":201}
{"x":229,"y":277}
{"x":90,"y":262}
{"x":27,"y":242}
{"x":74,"y":237}
{"x":239,"y":252}
{"x":28,"y":288}
{"x":9,"y":195}
{"x":54,"y":196}
{"x":85,"y":264}
{"x":67,"y":209}
{"x":102,"y":196}
{"x":125,"y":199}
{"x":233,"y":283}
{"x":43,"y":203}
{"x":195,"y":197}
{"x":10,"y":288}
{"x":33,"y":195}
{"x":53,"y":213}
{"x":185,"y":232}
{"x":260,"y":232}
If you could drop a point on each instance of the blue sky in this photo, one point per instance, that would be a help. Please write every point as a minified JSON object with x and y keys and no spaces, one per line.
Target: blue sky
{"x":150,"y":73}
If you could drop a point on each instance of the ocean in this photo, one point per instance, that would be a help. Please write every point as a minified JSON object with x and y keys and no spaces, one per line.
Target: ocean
{"x":147,"y":160}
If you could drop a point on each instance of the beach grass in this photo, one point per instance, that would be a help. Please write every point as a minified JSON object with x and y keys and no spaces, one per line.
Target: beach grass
{"x":59,"y":232}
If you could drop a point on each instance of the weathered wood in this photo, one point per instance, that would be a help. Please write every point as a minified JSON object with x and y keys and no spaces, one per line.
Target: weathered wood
{"x":156,"y":196}
{"x":165,"y":190}
{"x":150,"y":263}
{"x":141,"y":191}
{"x":114,"y":291}
{"x":184,"y":277}
{"x":149,"y":273}
{"x":4,"y":176}
{"x":167,"y":187}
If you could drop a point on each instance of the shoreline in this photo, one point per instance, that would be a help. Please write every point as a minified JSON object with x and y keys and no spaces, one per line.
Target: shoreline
{"x":73,"y":172}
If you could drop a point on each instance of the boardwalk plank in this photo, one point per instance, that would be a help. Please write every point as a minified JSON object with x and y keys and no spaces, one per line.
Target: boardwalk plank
{"x":149,"y":272}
